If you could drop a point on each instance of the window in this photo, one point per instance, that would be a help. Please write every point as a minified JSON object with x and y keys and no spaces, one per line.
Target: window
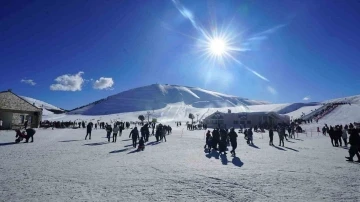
{"x":22,"y":118}
{"x":248,"y":122}
{"x":236,"y":122}
{"x":29,"y":119}
{"x":242,"y":122}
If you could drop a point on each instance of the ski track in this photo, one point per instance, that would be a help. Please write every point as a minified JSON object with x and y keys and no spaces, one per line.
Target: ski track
{"x":61,"y":166}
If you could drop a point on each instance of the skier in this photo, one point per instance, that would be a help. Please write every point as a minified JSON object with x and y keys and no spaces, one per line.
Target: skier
{"x":108,"y":132}
{"x":88,"y":131}
{"x":354,"y":141}
{"x":271,"y":135}
{"x":135,"y":135}
{"x":115,"y":132}
{"x":233,"y":141}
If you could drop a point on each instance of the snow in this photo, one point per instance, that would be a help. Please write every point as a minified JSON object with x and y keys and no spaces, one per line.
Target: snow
{"x":61,"y":166}
{"x":158,"y":96}
{"x":306,"y":110}
{"x":39,"y":103}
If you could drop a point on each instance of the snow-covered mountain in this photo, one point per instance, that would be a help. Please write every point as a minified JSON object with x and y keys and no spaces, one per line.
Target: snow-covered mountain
{"x":158,"y":96}
{"x":48,"y":108}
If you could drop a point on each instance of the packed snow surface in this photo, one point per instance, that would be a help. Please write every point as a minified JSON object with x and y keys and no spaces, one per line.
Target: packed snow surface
{"x":61,"y":166}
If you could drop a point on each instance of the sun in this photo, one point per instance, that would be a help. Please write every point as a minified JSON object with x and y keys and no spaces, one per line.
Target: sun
{"x":217,"y":47}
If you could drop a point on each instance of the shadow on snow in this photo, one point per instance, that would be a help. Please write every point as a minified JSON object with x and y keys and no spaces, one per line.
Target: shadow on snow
{"x":252,"y":145}
{"x":279,"y":148}
{"x":118,"y":151}
{"x":96,"y":144}
{"x":292,"y":149}
{"x":237,"y":162}
{"x":7,"y":143}
{"x":70,"y":140}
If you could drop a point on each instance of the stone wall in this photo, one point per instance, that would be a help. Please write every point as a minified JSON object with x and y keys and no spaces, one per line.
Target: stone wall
{"x":17,"y":120}
{"x":10,"y":101}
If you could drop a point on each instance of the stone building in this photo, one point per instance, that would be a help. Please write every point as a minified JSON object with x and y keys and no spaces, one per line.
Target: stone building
{"x":14,"y":111}
{"x":245,"y":119}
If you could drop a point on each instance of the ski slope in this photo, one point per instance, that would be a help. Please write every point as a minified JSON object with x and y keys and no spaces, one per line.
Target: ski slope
{"x":61,"y":166}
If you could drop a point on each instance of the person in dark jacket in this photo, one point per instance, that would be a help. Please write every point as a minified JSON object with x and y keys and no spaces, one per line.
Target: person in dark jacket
{"x":25,"y":124}
{"x":332,"y":136}
{"x":30,"y":132}
{"x":215,"y":139}
{"x":354,"y":141}
{"x":88,"y":131}
{"x":141,"y":146}
{"x":208,"y":136}
{"x":134,"y":134}
{"x":271,"y":136}
{"x":233,"y":140}
{"x":108,"y":132}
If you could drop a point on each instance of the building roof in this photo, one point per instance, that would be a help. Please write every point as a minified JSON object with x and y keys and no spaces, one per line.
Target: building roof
{"x":11,"y":101}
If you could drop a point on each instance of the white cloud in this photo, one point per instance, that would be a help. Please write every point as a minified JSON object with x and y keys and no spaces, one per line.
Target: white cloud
{"x":306,"y":98}
{"x":68,"y":82}
{"x":272,"y":90}
{"x":103,"y":83}
{"x":28,"y":81}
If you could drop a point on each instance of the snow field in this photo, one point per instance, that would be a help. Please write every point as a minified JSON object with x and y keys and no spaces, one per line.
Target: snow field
{"x":61,"y":166}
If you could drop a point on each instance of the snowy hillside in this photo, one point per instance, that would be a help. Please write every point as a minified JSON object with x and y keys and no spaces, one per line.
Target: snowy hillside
{"x":158,"y":96}
{"x":48,"y":108}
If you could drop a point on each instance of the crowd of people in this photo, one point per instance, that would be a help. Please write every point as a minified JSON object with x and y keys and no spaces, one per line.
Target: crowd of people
{"x":329,"y":107}
{"x":348,"y":134}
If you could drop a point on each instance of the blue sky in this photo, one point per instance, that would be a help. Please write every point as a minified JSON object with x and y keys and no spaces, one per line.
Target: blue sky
{"x":70,"y":53}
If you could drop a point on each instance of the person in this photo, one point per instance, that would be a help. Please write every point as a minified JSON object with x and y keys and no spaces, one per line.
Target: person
{"x":1,"y":123}
{"x":30,"y":132}
{"x":289,"y":131}
{"x":134,"y":134}
{"x":141,"y":146}
{"x":250,"y":136}
{"x":281,"y":136}
{"x":271,"y":135}
{"x":115,"y":132}
{"x":215,"y":139}
{"x":88,"y":131}
{"x":208,"y":136}
{"x":108,"y":132}
{"x":25,"y":124}
{"x":233,"y":136}
{"x":332,"y":136}
{"x":354,"y":141}
{"x":344,"y":136}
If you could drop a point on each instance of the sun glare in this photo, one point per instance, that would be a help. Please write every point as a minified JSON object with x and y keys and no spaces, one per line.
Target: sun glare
{"x":217,"y":47}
